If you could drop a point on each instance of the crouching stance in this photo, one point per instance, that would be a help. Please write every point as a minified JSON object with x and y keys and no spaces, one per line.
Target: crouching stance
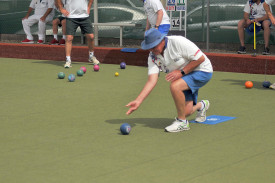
{"x":187,"y":68}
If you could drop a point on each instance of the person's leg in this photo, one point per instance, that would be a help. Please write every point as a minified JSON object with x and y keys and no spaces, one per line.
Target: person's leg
{"x":266,"y":27}
{"x":27,"y":23}
{"x":63,"y":23}
{"x":55,"y":23}
{"x":90,"y":42}
{"x":176,"y":89}
{"x":241,"y":26}
{"x":71,"y":26}
{"x":41,"y":31}
{"x":86,"y":28}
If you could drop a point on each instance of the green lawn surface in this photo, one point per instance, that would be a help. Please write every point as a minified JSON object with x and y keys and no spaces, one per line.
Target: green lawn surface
{"x":56,"y":131}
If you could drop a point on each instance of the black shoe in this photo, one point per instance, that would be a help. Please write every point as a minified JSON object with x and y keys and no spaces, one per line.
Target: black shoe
{"x":242,"y":50}
{"x":266,"y":51}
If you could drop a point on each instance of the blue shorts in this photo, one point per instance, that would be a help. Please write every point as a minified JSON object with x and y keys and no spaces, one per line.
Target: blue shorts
{"x":164,"y":28}
{"x":195,"y":80}
{"x":250,"y":28}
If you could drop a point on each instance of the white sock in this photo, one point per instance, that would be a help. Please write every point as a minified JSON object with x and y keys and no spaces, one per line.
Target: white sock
{"x":91,"y":53}
{"x":64,"y":37}
{"x":55,"y":36}
{"x":68,"y":58}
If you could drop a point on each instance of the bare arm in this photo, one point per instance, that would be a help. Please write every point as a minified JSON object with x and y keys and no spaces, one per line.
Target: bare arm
{"x":176,"y":74}
{"x":59,"y":5}
{"x":28,"y":13}
{"x":149,"y":86}
{"x":268,"y":12}
{"x":159,"y":18}
{"x":89,"y":6}
{"x":43,"y":18}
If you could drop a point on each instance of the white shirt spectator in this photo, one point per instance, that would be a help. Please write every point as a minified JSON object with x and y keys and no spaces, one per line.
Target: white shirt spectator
{"x":151,"y":7}
{"x":41,"y":6}
{"x":255,"y":10}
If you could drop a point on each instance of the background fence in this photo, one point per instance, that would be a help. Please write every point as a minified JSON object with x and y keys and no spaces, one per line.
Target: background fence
{"x":222,"y":13}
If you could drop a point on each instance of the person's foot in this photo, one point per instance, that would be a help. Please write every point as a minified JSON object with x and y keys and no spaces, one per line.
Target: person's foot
{"x":40,"y":41}
{"x":266,"y":51}
{"x":27,"y":41}
{"x":178,"y":126}
{"x":241,"y":50}
{"x":54,"y":41}
{"x":201,"y":115}
{"x":62,"y":42}
{"x":272,"y":86}
{"x":93,"y":60}
{"x":68,"y":64}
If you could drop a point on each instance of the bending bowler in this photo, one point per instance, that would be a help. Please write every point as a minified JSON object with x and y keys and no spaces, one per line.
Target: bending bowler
{"x":187,"y":68}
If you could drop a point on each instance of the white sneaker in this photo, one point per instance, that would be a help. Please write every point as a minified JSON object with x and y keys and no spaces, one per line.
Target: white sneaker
{"x":272,"y":86}
{"x":68,"y":64}
{"x":93,"y":60}
{"x":178,"y":126}
{"x":201,"y":115}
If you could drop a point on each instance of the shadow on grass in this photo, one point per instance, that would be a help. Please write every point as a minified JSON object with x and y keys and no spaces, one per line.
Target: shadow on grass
{"x":256,"y":84}
{"x":158,"y":123}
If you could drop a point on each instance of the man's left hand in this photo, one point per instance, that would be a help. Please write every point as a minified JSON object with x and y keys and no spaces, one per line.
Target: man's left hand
{"x":173,"y":76}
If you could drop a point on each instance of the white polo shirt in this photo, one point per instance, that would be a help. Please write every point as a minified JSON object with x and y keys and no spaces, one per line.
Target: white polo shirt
{"x":151,"y":7}
{"x":270,"y":2}
{"x":77,"y":8}
{"x":41,"y":6}
{"x":255,"y":10}
{"x":178,"y":53}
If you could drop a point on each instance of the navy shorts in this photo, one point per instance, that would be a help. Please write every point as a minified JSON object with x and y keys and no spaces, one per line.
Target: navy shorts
{"x":73,"y":23}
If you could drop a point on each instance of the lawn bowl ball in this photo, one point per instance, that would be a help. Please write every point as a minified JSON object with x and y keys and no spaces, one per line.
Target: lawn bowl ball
{"x":248,"y":84}
{"x":84,"y":69}
{"x":125,"y":128}
{"x":96,"y":67}
{"x":80,"y":72}
{"x":116,"y":74}
{"x":71,"y":77}
{"x":122,"y":65}
{"x":266,"y":84}
{"x":61,"y":75}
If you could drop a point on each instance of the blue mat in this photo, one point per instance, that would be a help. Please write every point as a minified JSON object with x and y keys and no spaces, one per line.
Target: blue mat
{"x":214,"y":119}
{"x":129,"y":50}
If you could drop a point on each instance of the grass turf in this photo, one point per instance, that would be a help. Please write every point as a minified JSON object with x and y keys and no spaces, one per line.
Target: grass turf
{"x":53,"y":130}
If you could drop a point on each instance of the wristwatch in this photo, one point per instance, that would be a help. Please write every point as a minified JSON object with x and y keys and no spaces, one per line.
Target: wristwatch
{"x":182,"y":72}
{"x":156,"y":26}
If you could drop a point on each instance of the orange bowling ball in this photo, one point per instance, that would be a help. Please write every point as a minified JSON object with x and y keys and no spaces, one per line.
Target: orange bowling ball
{"x":248,"y":84}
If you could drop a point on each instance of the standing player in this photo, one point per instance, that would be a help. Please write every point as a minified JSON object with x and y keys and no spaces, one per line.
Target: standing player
{"x":188,"y":70}
{"x":77,"y":15}
{"x":156,"y":16}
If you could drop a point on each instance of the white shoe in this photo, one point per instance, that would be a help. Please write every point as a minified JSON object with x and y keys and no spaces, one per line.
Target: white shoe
{"x":68,"y":64}
{"x":272,"y":86}
{"x":201,"y":115}
{"x":93,"y":60}
{"x":178,"y":126}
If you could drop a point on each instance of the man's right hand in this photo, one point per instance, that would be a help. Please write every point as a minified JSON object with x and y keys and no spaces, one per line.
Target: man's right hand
{"x":64,"y":12}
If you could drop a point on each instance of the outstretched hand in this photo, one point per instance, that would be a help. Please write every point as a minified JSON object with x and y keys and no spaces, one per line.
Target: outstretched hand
{"x":133,"y":106}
